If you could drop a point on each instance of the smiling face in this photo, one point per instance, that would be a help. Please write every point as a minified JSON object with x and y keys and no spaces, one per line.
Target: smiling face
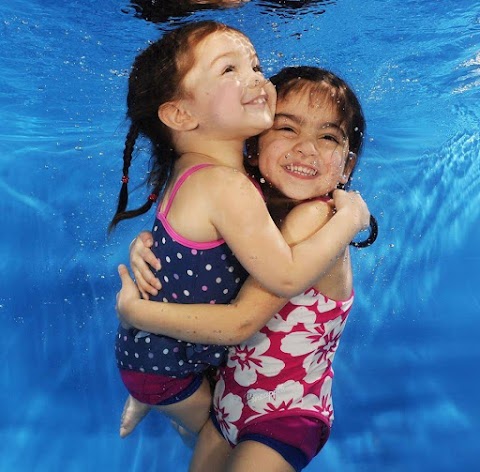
{"x":225,"y":88}
{"x":305,"y":153}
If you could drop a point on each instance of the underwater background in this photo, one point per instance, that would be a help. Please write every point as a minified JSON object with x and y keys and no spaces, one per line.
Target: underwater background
{"x":406,"y":386}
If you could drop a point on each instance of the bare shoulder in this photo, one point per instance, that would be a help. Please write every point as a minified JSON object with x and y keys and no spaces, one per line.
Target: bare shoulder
{"x":225,"y":178}
{"x":305,"y":219}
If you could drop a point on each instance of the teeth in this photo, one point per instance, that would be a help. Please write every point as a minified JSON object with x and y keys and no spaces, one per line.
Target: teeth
{"x":301,"y":170}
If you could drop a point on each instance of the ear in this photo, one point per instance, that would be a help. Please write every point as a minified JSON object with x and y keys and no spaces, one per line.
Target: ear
{"x":349,"y":166}
{"x":176,"y":116}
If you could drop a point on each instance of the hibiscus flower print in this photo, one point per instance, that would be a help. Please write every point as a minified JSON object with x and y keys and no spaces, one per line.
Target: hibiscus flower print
{"x":248,"y":360}
{"x":228,"y":409}
{"x":285,"y":396}
{"x":285,"y":324}
{"x":323,"y":403}
{"x":317,"y":342}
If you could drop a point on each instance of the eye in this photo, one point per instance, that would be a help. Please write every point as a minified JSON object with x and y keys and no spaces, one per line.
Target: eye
{"x":229,"y":68}
{"x":287,"y":129}
{"x":331,"y":138}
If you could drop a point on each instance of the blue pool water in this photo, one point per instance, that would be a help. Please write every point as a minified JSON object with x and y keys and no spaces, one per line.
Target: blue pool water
{"x":406,"y":388}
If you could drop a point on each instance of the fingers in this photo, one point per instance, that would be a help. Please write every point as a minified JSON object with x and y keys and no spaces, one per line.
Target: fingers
{"x":146,"y":288}
{"x":145,"y":238}
{"x":123,"y":272}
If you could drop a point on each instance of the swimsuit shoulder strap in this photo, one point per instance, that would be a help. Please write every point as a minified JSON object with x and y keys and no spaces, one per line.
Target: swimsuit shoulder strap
{"x":179,"y":183}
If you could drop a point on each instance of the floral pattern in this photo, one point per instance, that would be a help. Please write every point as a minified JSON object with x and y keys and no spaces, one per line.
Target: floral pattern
{"x":284,"y":369}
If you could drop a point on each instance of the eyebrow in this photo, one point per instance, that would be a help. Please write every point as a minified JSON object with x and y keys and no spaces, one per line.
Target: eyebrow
{"x":232,"y":54}
{"x":297,"y":119}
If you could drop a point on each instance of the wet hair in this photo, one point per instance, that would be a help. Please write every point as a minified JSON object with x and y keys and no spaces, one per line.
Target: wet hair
{"x":156,"y":78}
{"x":324,"y":88}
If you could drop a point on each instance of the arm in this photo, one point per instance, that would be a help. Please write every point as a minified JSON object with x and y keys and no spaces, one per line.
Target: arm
{"x":200,"y":323}
{"x":232,"y":323}
{"x":250,"y":232}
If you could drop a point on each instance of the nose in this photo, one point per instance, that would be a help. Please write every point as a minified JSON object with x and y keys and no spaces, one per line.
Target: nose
{"x":306,"y":148}
{"x":256,"y":80}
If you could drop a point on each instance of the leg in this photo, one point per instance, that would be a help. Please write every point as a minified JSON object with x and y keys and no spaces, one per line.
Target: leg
{"x":211,"y":452}
{"x":192,"y":413}
{"x":189,"y":439}
{"x":251,"y":456}
{"x":133,"y":412}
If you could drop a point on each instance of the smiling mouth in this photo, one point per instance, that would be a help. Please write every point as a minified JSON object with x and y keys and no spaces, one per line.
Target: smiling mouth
{"x":261,"y":100}
{"x":301,"y":170}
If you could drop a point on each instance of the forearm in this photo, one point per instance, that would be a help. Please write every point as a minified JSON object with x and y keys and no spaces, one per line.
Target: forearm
{"x":319,"y":253}
{"x":205,"y":323}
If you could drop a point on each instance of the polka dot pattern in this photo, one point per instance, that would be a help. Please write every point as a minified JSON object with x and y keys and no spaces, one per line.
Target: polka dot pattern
{"x":189,"y":274}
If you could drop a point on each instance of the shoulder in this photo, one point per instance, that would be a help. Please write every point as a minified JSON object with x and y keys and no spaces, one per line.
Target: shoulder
{"x":305,"y":219}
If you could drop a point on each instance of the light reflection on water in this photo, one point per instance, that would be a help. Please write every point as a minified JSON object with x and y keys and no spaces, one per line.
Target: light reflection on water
{"x":404,"y":371}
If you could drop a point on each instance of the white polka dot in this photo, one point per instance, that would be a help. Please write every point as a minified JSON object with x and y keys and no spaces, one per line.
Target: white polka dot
{"x":165,"y":300}
{"x":155,"y":368}
{"x":147,"y":340}
{"x":186,"y":293}
{"x":217,"y":355}
{"x":167,"y":368}
{"x":150,"y":355}
{"x":155,"y":228}
{"x":136,"y":355}
{"x":156,"y":244}
{"x":237,"y":280}
{"x":218,"y":280}
{"x":165,"y":351}
{"x":165,"y":278}
{"x":163,"y":241}
{"x":176,"y":276}
{"x":225,"y":291}
{"x":223,"y":257}
{"x":189,"y":272}
{"x":168,"y":259}
{"x":141,"y":369}
{"x":180,"y":362}
{"x":208,"y":267}
{"x":230,"y":269}
{"x":179,"y":255}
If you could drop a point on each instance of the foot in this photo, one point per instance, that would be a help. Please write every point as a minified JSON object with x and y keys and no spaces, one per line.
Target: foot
{"x":133,"y":413}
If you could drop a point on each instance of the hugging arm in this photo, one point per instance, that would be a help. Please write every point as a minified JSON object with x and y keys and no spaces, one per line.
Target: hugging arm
{"x":215,"y":324}
{"x":201,"y":323}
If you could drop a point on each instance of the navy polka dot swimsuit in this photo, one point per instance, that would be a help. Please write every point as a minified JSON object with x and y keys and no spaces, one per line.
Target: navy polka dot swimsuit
{"x":191,"y":272}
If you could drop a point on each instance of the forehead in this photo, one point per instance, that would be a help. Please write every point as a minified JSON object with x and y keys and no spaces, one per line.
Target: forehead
{"x":309,"y":106}
{"x":224,"y":41}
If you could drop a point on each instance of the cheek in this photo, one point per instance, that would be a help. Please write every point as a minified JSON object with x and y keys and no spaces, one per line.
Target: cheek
{"x":269,"y":157}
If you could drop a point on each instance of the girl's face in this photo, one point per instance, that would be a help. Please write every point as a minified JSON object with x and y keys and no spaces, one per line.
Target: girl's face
{"x":305,"y":153}
{"x":226,"y":90}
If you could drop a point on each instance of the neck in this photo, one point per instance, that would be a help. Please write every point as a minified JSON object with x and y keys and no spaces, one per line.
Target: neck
{"x":228,"y":153}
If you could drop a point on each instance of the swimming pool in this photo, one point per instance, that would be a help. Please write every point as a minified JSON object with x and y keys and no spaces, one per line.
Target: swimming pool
{"x":405,"y":388}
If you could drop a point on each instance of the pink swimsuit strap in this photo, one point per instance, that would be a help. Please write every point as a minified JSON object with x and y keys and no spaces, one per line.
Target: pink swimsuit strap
{"x":178,"y":184}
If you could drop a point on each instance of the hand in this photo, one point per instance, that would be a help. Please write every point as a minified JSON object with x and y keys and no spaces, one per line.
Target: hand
{"x":353,"y":202}
{"x":126,"y":297}
{"x":141,"y":256}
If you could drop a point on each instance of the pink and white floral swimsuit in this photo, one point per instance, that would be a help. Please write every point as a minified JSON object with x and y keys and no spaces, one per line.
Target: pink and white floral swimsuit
{"x":285,"y":369}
